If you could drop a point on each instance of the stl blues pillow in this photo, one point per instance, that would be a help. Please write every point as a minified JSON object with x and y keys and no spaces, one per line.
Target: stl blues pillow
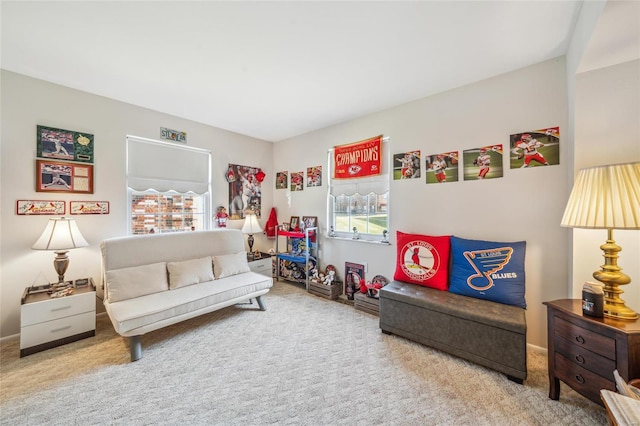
{"x":422,"y":260}
{"x":488,"y":270}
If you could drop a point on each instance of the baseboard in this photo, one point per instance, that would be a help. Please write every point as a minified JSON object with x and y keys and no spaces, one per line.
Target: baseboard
{"x":537,"y":349}
{"x":10,"y":338}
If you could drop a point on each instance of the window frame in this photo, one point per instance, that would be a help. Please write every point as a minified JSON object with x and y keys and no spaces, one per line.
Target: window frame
{"x":332,"y":199}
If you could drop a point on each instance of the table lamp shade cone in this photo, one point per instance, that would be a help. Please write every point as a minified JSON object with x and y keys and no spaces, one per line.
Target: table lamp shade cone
{"x":607,"y":197}
{"x":60,"y":235}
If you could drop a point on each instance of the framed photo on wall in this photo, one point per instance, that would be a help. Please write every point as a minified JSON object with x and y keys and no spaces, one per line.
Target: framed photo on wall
{"x":60,"y":176}
{"x":40,"y":207}
{"x":60,"y":144}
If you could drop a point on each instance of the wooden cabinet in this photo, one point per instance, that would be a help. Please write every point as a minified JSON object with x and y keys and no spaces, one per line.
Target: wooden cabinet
{"x":584,"y":350}
{"x":46,"y":323}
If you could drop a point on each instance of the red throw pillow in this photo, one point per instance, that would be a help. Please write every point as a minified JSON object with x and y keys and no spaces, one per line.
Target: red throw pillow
{"x":423,"y":260}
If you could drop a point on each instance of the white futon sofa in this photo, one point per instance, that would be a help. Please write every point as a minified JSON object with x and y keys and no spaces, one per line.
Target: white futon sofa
{"x":153,"y":281}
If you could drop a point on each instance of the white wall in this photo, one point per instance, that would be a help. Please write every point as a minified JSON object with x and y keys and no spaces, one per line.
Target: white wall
{"x":526,"y":204}
{"x":607,"y":106}
{"x":28,"y":102}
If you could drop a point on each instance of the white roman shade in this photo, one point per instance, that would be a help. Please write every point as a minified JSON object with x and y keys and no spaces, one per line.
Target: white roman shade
{"x":166,"y":166}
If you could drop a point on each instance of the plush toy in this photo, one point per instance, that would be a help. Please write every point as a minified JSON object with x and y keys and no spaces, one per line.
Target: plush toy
{"x":315,"y":277}
{"x":329,"y":278}
{"x":221,"y":217}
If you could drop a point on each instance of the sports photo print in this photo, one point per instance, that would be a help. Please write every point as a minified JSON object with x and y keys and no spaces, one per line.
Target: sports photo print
{"x":406,"y":165}
{"x":442,"y":168}
{"x":483,"y":163}
{"x":535,"y":148}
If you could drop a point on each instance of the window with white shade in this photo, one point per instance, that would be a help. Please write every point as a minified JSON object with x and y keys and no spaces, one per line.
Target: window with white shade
{"x":168,"y":186}
{"x":361,"y":203}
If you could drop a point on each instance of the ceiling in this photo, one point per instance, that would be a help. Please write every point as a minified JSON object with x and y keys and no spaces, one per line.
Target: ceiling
{"x":274,"y":70}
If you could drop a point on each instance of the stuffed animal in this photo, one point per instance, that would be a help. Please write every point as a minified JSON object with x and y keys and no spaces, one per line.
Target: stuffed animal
{"x":330,"y":277}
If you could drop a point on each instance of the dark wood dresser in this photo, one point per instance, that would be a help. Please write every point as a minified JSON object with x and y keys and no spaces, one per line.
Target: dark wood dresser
{"x":584,"y":350}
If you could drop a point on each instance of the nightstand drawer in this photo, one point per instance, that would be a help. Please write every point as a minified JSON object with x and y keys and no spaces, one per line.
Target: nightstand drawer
{"x":589,"y":340}
{"x":578,"y":355}
{"x":58,"y":329}
{"x":581,"y":379}
{"x":261,"y":266}
{"x":37,"y":312}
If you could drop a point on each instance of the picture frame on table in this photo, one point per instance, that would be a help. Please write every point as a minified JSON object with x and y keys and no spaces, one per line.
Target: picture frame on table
{"x":61,"y":176}
{"x":310,"y":221}
{"x":294,"y":223}
{"x":285,"y":226}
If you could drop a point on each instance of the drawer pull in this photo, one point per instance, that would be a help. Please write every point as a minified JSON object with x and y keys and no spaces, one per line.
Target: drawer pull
{"x":580,"y":379}
{"x":60,"y":329}
{"x":61,"y":308}
{"x":580,"y":359}
{"x":580,"y":339}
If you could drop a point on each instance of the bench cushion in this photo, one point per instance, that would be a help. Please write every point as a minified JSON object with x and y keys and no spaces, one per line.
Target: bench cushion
{"x":498,"y":315}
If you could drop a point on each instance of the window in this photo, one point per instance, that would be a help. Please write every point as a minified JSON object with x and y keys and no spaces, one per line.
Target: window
{"x":168,"y":187}
{"x":153,"y":211}
{"x":361,"y":203}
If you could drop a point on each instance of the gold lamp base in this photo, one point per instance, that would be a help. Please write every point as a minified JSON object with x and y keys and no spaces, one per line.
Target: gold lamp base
{"x":611,"y":276}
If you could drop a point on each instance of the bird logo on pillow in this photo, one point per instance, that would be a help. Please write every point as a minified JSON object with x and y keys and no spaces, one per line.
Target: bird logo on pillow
{"x":420,"y":260}
{"x":486,"y":263}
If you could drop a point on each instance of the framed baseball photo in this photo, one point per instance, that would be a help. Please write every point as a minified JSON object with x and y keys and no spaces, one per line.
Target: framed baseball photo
{"x":294,"y":223}
{"x":59,"y":176}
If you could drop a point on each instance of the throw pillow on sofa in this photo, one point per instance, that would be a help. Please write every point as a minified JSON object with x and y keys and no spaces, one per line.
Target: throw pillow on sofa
{"x":230,"y":264}
{"x":422,"y":260}
{"x":189,"y":272}
{"x":488,"y":270}
{"x":127,"y":283}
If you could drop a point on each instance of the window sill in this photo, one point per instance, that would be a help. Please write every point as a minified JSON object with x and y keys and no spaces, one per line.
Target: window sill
{"x":360,"y":240}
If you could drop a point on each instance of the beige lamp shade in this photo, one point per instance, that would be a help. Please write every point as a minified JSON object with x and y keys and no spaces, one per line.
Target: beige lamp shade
{"x":60,"y":234}
{"x":251,"y":225}
{"x":605,"y":197}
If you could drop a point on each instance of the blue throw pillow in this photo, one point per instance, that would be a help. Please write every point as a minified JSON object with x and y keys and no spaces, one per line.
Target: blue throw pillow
{"x":488,"y":270}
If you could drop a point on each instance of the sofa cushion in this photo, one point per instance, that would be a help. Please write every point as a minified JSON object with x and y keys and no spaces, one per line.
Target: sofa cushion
{"x":230,"y":264}
{"x":489,"y":270}
{"x":189,"y":272}
{"x":422,"y":260}
{"x":134,"y":316}
{"x":127,"y":283}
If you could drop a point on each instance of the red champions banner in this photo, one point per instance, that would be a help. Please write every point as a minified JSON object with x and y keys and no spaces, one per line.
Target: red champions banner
{"x":358,"y":159}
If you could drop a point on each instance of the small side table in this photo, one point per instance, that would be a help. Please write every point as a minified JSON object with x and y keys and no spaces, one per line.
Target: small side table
{"x":47,"y":322}
{"x":262,"y":264}
{"x":583,"y":351}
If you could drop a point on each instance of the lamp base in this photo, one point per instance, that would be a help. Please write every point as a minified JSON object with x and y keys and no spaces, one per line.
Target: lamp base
{"x":250,"y":241}
{"x":611,"y":276}
{"x":61,"y":263}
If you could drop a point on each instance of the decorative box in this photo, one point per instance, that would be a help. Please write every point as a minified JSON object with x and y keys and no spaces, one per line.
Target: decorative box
{"x":327,"y":291}
{"x":362,"y":302}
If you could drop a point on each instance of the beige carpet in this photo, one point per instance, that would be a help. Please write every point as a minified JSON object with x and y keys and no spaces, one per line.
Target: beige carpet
{"x":305,"y":361}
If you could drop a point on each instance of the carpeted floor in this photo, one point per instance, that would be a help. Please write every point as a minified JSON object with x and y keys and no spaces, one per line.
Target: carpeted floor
{"x":305,"y":361}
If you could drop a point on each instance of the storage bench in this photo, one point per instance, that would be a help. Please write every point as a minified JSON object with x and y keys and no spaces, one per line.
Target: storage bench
{"x":488,"y":333}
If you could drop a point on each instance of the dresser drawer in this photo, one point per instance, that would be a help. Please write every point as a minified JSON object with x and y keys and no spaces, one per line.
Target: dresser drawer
{"x":261,"y":266}
{"x":594,"y":342}
{"x":577,"y":354}
{"x":581,"y":379}
{"x":37,"y":312}
{"x":58,"y":329}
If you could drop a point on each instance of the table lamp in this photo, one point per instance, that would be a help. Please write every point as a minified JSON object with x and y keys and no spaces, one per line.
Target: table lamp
{"x":60,"y":235}
{"x":251,"y":226}
{"x":607,"y":197}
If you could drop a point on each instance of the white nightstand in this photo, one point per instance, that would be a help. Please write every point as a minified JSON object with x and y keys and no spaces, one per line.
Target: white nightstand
{"x":47,"y":322}
{"x":262,"y":265}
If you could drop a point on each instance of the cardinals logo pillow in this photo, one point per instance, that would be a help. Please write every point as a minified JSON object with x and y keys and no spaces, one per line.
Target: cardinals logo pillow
{"x":488,"y":270}
{"x":422,"y":260}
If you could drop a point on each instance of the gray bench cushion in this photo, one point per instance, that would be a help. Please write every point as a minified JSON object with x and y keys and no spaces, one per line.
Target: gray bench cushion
{"x":498,"y":315}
